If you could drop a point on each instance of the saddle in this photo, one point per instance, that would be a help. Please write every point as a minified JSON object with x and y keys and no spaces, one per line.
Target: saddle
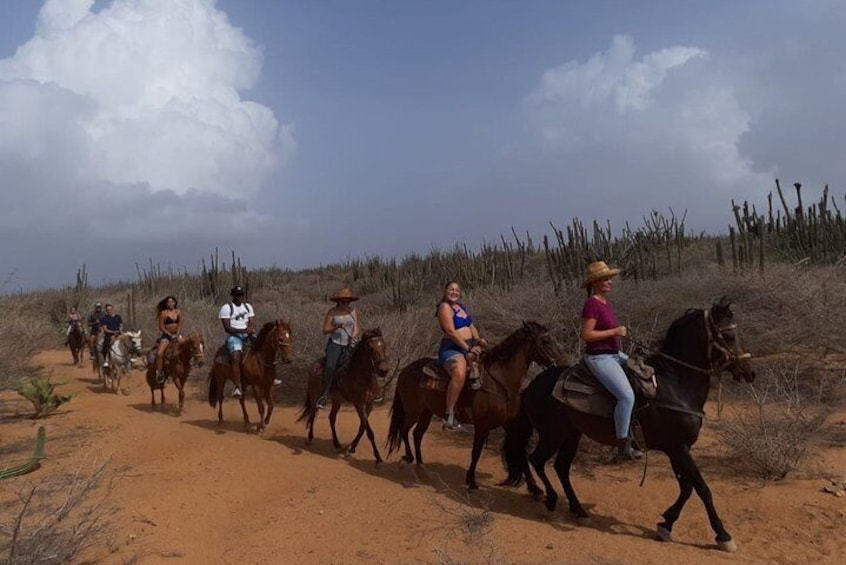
{"x":434,"y":377}
{"x":223,"y":357}
{"x":579,"y":389}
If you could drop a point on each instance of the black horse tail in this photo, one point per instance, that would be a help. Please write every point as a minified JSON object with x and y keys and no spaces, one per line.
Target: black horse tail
{"x":212,"y":389}
{"x":514,"y":454}
{"x":397,"y":423}
{"x":309,"y":406}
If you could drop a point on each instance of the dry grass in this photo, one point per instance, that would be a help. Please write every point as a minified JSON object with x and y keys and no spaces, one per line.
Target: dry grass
{"x":56,"y":519}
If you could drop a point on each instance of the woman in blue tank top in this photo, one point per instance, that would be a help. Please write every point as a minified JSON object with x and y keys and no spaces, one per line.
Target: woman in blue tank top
{"x":459,"y":347}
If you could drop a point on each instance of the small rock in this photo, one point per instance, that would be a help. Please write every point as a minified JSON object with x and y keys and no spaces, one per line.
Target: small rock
{"x":549,"y":546}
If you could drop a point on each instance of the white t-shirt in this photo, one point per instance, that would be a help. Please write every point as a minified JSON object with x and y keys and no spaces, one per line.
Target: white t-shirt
{"x":238,"y":316}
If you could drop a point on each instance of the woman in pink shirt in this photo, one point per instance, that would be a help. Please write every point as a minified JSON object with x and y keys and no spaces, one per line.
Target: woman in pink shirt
{"x":601,"y":333}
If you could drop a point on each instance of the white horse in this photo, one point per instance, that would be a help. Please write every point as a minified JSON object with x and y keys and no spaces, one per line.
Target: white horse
{"x":122,"y":351}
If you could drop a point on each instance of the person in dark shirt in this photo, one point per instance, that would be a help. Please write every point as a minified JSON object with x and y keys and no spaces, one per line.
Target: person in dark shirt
{"x":601,"y":333}
{"x":94,"y":326}
{"x":112,"y":325}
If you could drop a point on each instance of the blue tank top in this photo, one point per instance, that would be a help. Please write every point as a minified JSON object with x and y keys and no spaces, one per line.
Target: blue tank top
{"x":457,"y":321}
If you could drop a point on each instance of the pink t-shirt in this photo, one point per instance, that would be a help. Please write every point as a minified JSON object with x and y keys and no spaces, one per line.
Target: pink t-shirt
{"x":606,"y":319}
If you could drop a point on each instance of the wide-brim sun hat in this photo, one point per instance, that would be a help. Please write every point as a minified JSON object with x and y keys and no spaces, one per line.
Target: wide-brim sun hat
{"x":597,"y":271}
{"x":344,"y":294}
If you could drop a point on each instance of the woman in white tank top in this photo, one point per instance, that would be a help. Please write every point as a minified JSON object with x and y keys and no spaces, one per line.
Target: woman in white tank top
{"x":341,"y":325}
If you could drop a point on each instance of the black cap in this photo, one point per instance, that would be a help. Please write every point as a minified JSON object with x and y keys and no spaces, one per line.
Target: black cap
{"x":236,"y":291}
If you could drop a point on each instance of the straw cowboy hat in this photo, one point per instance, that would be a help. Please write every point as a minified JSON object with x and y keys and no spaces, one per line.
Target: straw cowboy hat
{"x":598,"y":271}
{"x":344,"y":294}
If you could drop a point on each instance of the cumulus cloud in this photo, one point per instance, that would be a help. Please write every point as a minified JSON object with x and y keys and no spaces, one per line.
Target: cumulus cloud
{"x":663,"y":129}
{"x":135,"y":110}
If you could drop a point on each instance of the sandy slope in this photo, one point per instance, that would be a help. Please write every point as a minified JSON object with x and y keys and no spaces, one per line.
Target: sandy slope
{"x":188,"y":491}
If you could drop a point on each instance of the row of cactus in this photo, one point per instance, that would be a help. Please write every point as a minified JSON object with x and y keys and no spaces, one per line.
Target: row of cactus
{"x":815,"y":234}
{"x":649,"y":252}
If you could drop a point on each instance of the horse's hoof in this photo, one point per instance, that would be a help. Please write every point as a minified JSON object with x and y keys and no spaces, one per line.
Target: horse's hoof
{"x":663,"y":534}
{"x":378,"y":461}
{"x":472,"y":486}
{"x":727,"y":546}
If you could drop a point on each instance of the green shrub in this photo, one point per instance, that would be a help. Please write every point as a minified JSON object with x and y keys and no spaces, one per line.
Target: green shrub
{"x":41,"y":392}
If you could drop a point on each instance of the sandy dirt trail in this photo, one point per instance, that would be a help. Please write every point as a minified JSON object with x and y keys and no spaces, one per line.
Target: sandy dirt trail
{"x":186,"y":490}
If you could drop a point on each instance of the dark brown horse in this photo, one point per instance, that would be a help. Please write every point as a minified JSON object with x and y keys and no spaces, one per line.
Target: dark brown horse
{"x":356,"y":383}
{"x":698,"y":345}
{"x":498,"y":400}
{"x":77,"y":340}
{"x":179,"y":357}
{"x":274,"y":344}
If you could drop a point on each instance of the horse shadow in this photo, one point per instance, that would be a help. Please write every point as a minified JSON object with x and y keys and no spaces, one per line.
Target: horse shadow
{"x":234,"y":426}
{"x":166,"y":409}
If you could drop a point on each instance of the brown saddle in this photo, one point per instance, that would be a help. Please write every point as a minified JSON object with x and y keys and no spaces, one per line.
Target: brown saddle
{"x":579,"y":389}
{"x":434,"y":377}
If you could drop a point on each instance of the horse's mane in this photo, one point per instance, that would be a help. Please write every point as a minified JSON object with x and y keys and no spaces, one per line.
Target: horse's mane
{"x":719,"y":311}
{"x":262,"y":335}
{"x":509,"y":346}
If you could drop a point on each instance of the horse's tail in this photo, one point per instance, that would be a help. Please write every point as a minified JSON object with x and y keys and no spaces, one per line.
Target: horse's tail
{"x":212,"y":389}
{"x":514,"y":455}
{"x":397,"y":422}
{"x":309,"y":406}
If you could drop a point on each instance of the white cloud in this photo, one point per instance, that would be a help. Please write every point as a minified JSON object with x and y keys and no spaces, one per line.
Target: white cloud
{"x":662,"y":129}
{"x":136,"y":109}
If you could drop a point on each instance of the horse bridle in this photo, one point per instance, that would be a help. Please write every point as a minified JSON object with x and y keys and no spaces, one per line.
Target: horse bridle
{"x":716,"y":342}
{"x":373,"y":362}
{"x":278,"y":345}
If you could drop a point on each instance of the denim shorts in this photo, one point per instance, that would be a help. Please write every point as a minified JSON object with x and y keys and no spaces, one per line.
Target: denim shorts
{"x":449,"y":349}
{"x":235,"y":342}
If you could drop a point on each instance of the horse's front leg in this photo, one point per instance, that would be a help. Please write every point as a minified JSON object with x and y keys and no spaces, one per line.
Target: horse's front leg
{"x":333,"y":416}
{"x":268,"y":396}
{"x":688,"y":467}
{"x":244,"y":408}
{"x":671,"y":514}
{"x":260,"y":403}
{"x":480,"y":435}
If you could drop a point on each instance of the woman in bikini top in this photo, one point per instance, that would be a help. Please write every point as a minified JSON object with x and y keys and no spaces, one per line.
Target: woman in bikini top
{"x":170,"y":326}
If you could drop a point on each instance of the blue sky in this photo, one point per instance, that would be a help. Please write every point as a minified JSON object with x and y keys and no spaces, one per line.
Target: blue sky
{"x":299,"y":133}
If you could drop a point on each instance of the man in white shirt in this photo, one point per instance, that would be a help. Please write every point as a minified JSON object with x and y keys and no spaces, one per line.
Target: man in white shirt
{"x":238,"y":319}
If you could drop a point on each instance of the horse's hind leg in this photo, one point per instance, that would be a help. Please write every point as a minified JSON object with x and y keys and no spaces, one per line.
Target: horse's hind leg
{"x":333,"y":416}
{"x":542,"y":453}
{"x":688,"y":467}
{"x":423,"y":422}
{"x":260,"y":404}
{"x":566,"y":454}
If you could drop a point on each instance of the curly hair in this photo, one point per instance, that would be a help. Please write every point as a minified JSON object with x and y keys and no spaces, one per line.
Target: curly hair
{"x":162,"y":305}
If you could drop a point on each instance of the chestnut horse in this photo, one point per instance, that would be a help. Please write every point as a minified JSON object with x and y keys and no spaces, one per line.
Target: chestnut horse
{"x":273,"y":345}
{"x":356,"y":383}
{"x":179,"y":357}
{"x":698,"y":345}
{"x":77,"y":340}
{"x":497,"y":402}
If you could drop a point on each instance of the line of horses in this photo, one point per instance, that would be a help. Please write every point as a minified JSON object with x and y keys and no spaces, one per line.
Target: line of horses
{"x":700,"y":344}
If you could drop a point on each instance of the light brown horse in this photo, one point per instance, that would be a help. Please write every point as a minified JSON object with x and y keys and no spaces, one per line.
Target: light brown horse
{"x":77,"y":340}
{"x":356,"y":383}
{"x":497,"y":402}
{"x":273,"y":345}
{"x":179,"y":357}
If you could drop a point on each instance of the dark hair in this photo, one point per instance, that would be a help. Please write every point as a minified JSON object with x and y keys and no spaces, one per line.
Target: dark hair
{"x":109,"y":305}
{"x":446,"y":286}
{"x":162,"y":305}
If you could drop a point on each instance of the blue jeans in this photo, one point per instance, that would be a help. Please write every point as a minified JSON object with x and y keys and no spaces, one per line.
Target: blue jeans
{"x":608,"y":370}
